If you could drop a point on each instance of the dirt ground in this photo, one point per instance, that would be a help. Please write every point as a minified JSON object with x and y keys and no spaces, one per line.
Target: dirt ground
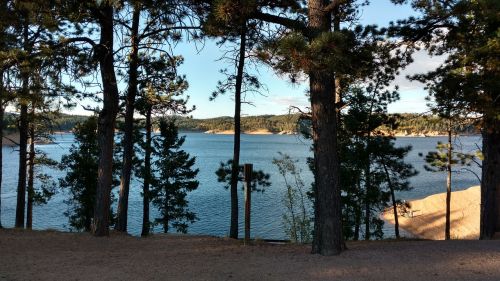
{"x":46,"y":255}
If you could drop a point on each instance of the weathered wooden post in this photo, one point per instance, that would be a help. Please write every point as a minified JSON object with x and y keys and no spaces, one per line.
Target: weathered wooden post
{"x":248,"y":190}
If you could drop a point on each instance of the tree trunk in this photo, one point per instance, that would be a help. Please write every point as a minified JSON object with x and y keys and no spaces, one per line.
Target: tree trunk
{"x":31,"y":175}
{"x":338,"y":86}
{"x":357,"y":210}
{"x":147,"y":176}
{"x":393,"y":198}
{"x":2,"y":110}
{"x":23,"y":135}
{"x":328,"y":238}
{"x":357,"y":223}
{"x":368,"y":188}
{"x":128,"y":138}
{"x":233,"y":232}
{"x":490,"y":182}
{"x":165,"y":219}
{"x":448,"y":187}
{"x":107,"y":119}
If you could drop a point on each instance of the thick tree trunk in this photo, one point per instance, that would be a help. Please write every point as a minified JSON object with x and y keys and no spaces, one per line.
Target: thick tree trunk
{"x":448,"y":187}
{"x":490,"y":182}
{"x":128,"y":138}
{"x":328,"y":220}
{"x":233,"y":231}
{"x":31,"y":180}
{"x":328,"y":238}
{"x":107,"y":119}
{"x":2,"y":110}
{"x":147,"y":176}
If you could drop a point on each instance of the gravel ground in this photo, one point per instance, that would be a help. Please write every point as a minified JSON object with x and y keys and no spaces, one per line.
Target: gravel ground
{"x":47,"y":255}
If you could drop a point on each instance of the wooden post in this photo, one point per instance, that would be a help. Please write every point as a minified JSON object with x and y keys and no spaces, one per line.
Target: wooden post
{"x":248,"y":191}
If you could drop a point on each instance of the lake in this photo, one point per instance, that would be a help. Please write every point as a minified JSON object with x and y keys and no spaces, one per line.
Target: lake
{"x":211,"y":200}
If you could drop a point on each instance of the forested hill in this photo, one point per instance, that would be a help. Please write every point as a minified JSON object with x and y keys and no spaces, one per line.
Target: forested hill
{"x":408,"y":124}
{"x":271,"y":123}
{"x":62,"y":122}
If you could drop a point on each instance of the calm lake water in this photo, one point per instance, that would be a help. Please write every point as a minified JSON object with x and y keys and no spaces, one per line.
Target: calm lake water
{"x":211,"y":200}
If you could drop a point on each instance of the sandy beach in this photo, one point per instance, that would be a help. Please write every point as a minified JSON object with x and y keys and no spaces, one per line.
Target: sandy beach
{"x":231,"y":132}
{"x":428,"y":221}
{"x":47,"y":255}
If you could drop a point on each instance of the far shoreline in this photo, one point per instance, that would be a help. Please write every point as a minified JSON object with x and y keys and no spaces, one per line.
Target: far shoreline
{"x":9,"y":140}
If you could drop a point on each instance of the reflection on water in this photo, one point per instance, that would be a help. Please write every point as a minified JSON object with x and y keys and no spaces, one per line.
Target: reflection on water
{"x":211,"y":201}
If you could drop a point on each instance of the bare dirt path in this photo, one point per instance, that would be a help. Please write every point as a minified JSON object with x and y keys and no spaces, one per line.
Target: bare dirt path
{"x":46,"y":255}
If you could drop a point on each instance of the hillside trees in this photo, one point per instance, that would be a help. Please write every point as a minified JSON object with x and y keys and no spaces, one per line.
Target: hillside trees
{"x":467,"y":31}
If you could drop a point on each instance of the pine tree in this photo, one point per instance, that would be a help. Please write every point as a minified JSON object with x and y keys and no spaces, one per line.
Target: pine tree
{"x":81,"y":165}
{"x":161,"y":91}
{"x":175,"y":179}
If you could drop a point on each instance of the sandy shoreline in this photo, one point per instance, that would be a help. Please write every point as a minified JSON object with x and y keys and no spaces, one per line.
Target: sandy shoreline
{"x":429,"y":220}
{"x":253,"y":132}
{"x":47,"y":255}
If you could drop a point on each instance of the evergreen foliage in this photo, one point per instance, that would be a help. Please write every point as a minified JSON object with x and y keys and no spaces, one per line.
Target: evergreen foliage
{"x":81,"y":165}
{"x":260,"y":180}
{"x":372,"y":167}
{"x":174,"y":180}
{"x":81,"y":177}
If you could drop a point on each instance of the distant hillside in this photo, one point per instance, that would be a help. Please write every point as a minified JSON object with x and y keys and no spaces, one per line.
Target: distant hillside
{"x":271,"y":123}
{"x":65,"y":122}
{"x":411,"y":124}
{"x":408,"y":124}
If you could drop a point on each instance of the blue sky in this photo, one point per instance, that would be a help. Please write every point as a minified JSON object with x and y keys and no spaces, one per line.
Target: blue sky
{"x":201,"y":68}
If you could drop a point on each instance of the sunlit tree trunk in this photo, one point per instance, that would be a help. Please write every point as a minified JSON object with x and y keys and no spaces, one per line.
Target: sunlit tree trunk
{"x":328,"y":238}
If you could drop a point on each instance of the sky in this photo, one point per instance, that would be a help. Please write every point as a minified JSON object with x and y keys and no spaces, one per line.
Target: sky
{"x":201,"y":67}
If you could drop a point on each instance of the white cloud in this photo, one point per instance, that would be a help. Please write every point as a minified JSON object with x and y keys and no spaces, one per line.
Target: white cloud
{"x":422,"y":63}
